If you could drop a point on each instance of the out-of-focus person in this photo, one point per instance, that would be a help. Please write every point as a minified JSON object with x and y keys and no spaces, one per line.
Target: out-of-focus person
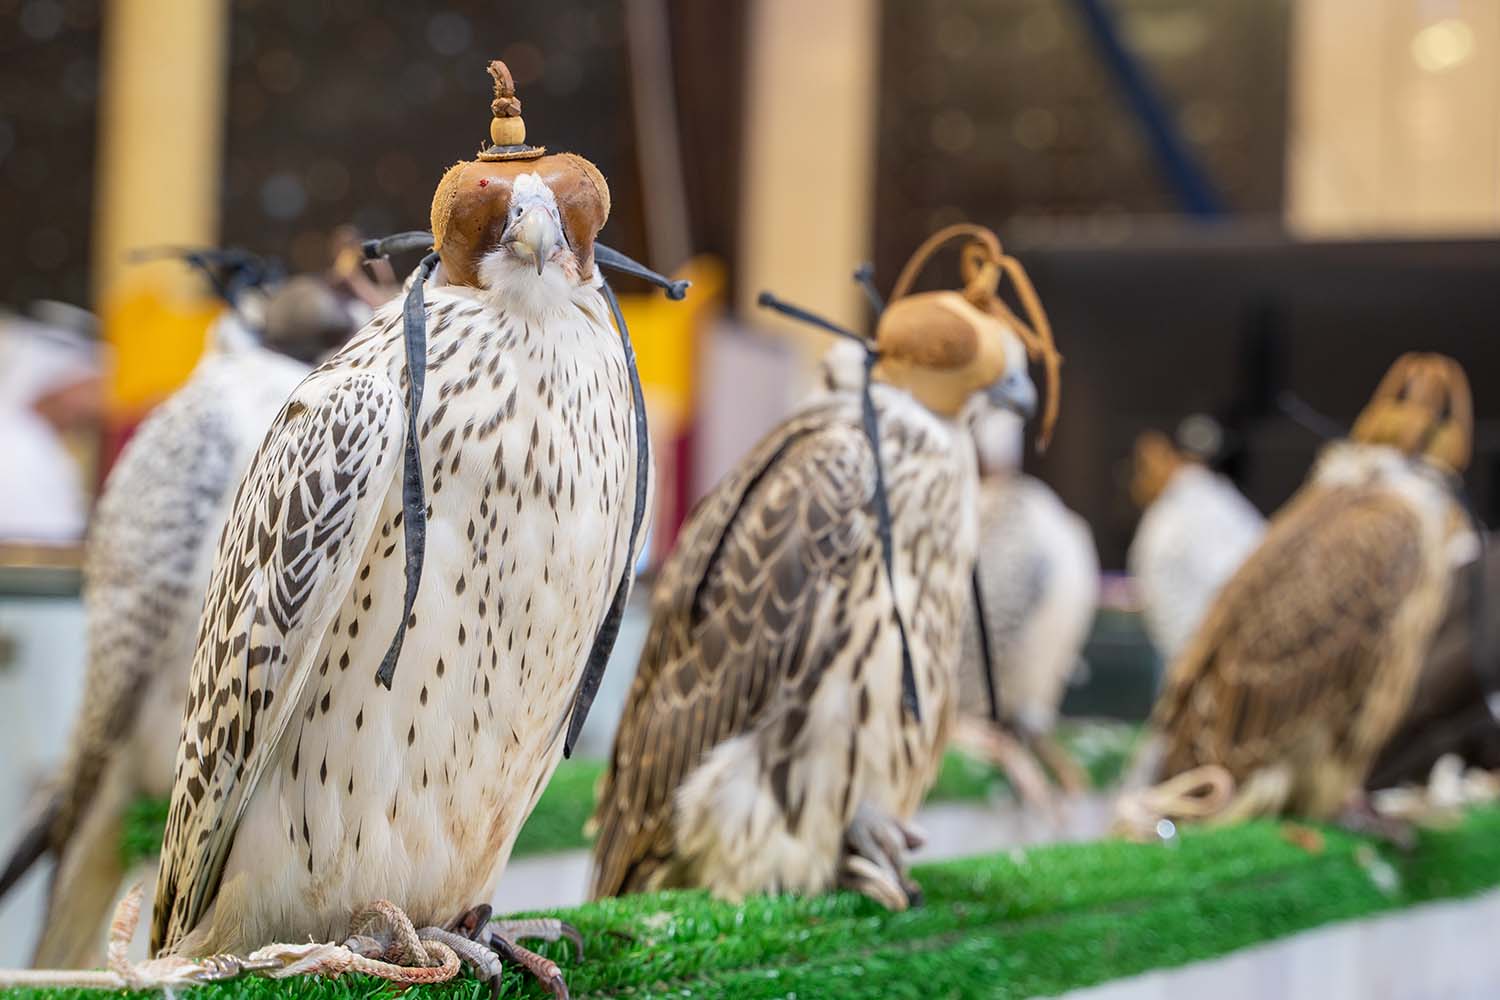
{"x":49,"y":388}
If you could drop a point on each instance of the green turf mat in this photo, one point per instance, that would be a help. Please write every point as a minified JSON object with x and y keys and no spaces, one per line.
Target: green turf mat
{"x":1018,"y":924}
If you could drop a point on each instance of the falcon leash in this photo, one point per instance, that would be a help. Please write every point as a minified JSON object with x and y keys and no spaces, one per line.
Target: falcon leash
{"x":864,"y":276}
{"x":413,"y":489}
{"x":871,"y":423}
{"x":609,"y":630}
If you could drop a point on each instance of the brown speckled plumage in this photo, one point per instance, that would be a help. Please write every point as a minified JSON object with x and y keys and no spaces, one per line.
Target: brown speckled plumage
{"x":773,"y":647}
{"x":1307,"y":660}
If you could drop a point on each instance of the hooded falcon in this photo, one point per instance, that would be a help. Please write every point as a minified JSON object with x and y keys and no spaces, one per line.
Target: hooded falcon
{"x":149,"y":553}
{"x":1307,"y":660}
{"x":1038,"y":576}
{"x":1195,"y":530}
{"x":768,"y":741}
{"x":322,"y":766}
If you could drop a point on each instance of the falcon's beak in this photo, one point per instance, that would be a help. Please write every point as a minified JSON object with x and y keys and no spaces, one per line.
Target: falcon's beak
{"x":532,"y":236}
{"x":1015,"y":392}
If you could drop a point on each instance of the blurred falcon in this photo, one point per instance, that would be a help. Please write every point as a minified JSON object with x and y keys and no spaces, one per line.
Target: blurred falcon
{"x":311,"y":780}
{"x":150,"y":550}
{"x":1195,"y":530}
{"x":765,"y":745}
{"x":1038,"y":576}
{"x":1308,"y":658}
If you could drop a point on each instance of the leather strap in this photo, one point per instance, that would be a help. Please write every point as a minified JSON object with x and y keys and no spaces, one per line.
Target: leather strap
{"x":413,"y":493}
{"x":910,"y":699}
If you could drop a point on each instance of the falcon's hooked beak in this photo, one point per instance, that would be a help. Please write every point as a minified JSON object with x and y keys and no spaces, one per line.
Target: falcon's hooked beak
{"x":533,"y":235}
{"x":1015,"y":392}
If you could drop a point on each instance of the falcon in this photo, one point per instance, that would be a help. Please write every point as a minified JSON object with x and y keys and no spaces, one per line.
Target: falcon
{"x":1037,"y":576}
{"x":150,"y":550}
{"x":775,"y":738}
{"x":1195,"y":530}
{"x":343,"y":745}
{"x":1307,"y":660}
{"x":1038,"y":581}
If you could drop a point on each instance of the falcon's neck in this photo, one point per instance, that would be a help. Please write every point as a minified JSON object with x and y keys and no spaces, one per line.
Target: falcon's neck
{"x":1428,"y":489}
{"x":930,"y":466}
{"x":514,"y":289}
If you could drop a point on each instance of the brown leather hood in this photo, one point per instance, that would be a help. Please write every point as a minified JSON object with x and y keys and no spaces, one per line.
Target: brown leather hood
{"x":472,"y":200}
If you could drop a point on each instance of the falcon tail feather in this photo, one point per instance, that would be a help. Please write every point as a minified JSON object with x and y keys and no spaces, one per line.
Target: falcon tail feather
{"x":34,"y":843}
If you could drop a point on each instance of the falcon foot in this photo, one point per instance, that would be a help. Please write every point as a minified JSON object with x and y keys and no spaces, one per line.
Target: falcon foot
{"x":1021,"y":765}
{"x":874,"y":862}
{"x":382,"y":931}
{"x":1360,"y":817}
{"x":487,"y":945}
{"x":1066,"y":769}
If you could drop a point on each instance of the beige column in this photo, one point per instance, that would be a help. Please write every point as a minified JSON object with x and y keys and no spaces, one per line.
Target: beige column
{"x":1394,"y":117}
{"x":809,"y":168}
{"x":161,"y":113}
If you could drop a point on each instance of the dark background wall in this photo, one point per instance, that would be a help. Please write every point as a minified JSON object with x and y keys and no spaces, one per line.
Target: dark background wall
{"x":1220,"y":320}
{"x":1003,"y":112}
{"x":49,"y":81}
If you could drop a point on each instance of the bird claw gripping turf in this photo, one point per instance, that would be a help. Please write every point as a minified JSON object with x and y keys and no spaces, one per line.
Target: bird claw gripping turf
{"x":487,"y":944}
{"x":875,"y":863}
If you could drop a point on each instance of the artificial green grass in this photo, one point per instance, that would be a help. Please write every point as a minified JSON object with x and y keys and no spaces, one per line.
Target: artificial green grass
{"x":1024,"y":923}
{"x":557,"y":823}
{"x":145,"y":824}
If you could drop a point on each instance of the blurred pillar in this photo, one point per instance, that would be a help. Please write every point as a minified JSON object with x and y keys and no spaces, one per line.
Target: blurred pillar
{"x":809,"y":155}
{"x":161,"y":109}
{"x":1395,"y":117}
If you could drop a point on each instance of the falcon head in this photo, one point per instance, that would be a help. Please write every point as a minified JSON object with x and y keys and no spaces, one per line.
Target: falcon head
{"x":946,"y":346}
{"x":1423,"y":408}
{"x":521,"y":228}
{"x":998,"y":426}
{"x":1154,"y":463}
{"x":305,"y":320}
{"x":943,"y":350}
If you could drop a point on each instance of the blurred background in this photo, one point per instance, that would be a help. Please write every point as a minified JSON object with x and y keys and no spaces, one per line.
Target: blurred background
{"x":1219,"y":201}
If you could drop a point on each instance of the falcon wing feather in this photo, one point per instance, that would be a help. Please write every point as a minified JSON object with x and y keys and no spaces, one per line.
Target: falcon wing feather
{"x":741,"y":625}
{"x":1295,"y":637}
{"x":301,"y":523}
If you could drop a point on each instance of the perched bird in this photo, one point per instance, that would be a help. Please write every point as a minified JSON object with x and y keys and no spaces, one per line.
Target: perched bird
{"x":1450,"y":712}
{"x":323,"y":766}
{"x":1195,"y":530}
{"x":1038,"y":578}
{"x":150,"y":549}
{"x":1307,"y":660}
{"x":770,"y":741}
